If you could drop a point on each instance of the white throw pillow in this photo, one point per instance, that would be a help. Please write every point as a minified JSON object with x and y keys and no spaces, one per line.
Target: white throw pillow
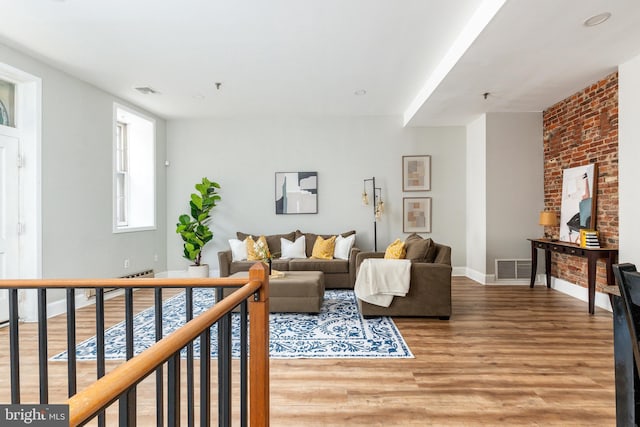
{"x":293,"y":249}
{"x":343,"y":246}
{"x":238,"y":249}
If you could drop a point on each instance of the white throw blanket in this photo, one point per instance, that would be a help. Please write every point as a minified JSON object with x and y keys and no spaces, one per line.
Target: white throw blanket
{"x":379,"y":280}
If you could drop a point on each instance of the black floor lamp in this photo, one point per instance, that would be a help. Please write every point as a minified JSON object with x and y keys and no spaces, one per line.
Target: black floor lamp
{"x":378,"y":206}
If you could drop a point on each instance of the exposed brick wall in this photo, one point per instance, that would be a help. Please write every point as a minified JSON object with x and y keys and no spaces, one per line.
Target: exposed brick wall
{"x":579,"y":130}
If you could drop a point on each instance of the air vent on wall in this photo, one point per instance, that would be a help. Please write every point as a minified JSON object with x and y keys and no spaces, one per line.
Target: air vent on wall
{"x":513,"y":269}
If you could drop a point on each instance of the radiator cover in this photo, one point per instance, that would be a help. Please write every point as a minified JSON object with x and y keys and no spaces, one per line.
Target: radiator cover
{"x":90,"y":293}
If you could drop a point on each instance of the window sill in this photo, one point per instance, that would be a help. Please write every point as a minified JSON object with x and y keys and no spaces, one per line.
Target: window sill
{"x":119,"y":230}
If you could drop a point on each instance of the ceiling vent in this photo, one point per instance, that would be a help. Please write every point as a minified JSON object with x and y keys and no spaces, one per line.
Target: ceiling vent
{"x":146,"y":90}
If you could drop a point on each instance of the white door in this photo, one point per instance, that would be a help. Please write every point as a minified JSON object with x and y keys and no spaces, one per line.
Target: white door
{"x":9,"y":217}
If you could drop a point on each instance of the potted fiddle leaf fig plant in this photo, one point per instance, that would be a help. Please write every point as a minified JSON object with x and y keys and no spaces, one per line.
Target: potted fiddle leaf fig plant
{"x":194,"y":229}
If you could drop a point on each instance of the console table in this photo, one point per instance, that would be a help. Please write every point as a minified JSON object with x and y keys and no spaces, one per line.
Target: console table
{"x":591,"y":254}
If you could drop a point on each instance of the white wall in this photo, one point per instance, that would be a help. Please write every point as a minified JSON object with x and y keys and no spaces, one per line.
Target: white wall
{"x":515,"y":184}
{"x":476,"y":213}
{"x":242,"y":154}
{"x":77,"y":236}
{"x":505,"y":189}
{"x":628,"y":155}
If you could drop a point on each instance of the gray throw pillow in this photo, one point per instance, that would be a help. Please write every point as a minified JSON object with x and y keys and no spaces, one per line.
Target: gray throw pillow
{"x":419,"y":249}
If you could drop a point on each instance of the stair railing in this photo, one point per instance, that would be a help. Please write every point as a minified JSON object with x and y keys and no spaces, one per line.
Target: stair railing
{"x":120,"y":383}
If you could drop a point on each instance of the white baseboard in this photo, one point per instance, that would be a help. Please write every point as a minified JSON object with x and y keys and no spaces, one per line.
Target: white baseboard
{"x":567,"y":288}
{"x":459,"y":271}
{"x":478,"y":276}
{"x":576,"y":291}
{"x":59,"y":307}
{"x":573,"y":290}
{"x":183,"y":273}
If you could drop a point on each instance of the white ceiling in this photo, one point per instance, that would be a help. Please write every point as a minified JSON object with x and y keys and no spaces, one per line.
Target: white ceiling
{"x":415,"y":58}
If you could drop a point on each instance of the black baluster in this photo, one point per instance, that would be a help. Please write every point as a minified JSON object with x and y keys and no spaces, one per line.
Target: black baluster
{"x":43,"y":359}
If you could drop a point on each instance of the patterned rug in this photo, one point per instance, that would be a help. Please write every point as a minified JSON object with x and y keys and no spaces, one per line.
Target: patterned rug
{"x":338,"y":331}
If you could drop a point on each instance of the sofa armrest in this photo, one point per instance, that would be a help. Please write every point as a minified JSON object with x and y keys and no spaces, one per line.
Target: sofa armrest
{"x":432,"y":275}
{"x":352,"y":265}
{"x":364,"y":255}
{"x":360,"y":258}
{"x":224,"y":262}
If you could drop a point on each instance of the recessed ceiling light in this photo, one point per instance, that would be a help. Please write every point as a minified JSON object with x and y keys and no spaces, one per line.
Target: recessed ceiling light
{"x":597,"y":19}
{"x":360,"y":92}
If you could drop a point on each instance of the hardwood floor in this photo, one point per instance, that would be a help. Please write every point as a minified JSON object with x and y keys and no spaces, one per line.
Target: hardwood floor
{"x":510,"y":355}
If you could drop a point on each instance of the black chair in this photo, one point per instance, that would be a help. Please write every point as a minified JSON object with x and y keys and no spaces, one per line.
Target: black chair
{"x":628,"y":280}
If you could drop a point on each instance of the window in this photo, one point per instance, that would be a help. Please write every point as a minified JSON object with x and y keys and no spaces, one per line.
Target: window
{"x":122,"y":155}
{"x":134,"y":171}
{"x":7,"y":103}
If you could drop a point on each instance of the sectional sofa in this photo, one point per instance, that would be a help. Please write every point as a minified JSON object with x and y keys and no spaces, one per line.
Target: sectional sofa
{"x":338,"y":273}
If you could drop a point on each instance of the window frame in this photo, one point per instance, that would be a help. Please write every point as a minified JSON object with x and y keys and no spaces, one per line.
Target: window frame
{"x":118,"y":110}
{"x":121,"y":166}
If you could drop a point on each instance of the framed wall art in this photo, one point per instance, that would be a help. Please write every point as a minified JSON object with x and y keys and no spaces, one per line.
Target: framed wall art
{"x":578,"y":205}
{"x":416,"y":215}
{"x":296,"y":193}
{"x":416,"y":173}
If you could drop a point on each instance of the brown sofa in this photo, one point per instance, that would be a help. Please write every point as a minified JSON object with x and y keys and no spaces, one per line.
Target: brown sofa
{"x":338,"y":273}
{"x":429,"y":290}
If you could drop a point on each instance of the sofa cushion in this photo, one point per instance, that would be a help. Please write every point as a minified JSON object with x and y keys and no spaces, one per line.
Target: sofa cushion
{"x":238,"y":249}
{"x":280,"y":264}
{"x":311,"y":238}
{"x":419,"y":249}
{"x":257,"y":250}
{"x":395,"y":250}
{"x":323,"y":248}
{"x":273,"y":240}
{"x":295,"y":249}
{"x":277,"y":264}
{"x":431,"y":252}
{"x":324,"y":265}
{"x":343,"y":246}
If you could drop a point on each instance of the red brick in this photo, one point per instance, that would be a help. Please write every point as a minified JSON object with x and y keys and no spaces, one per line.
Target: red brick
{"x":583,"y":129}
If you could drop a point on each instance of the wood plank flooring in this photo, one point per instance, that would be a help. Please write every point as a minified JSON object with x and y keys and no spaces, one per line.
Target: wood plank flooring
{"x":510,"y":355}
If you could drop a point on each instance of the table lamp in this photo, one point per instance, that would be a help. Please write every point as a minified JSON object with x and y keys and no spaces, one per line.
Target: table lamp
{"x":548,"y":219}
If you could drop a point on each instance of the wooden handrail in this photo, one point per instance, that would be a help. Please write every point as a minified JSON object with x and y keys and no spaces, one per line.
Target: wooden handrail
{"x":146,"y":282}
{"x":107,"y":389}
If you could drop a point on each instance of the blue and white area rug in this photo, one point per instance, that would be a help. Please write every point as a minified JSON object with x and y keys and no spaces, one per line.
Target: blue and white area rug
{"x":338,"y":331}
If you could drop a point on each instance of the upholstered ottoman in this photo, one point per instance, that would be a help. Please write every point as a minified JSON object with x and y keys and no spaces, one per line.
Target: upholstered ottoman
{"x":296,"y":292}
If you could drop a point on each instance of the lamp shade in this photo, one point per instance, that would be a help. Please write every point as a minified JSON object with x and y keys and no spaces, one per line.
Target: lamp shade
{"x":548,"y":218}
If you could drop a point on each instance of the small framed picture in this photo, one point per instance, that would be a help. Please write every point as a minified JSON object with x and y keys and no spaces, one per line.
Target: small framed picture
{"x":416,"y":173}
{"x":416,"y":215}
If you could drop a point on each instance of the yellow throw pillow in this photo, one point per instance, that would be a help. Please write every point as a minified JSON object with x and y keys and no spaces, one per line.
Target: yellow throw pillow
{"x":396,"y":250}
{"x":257,"y":251}
{"x":323,"y":249}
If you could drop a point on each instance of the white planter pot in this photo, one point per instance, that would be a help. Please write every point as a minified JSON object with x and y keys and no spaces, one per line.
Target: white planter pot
{"x":198,"y":271}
